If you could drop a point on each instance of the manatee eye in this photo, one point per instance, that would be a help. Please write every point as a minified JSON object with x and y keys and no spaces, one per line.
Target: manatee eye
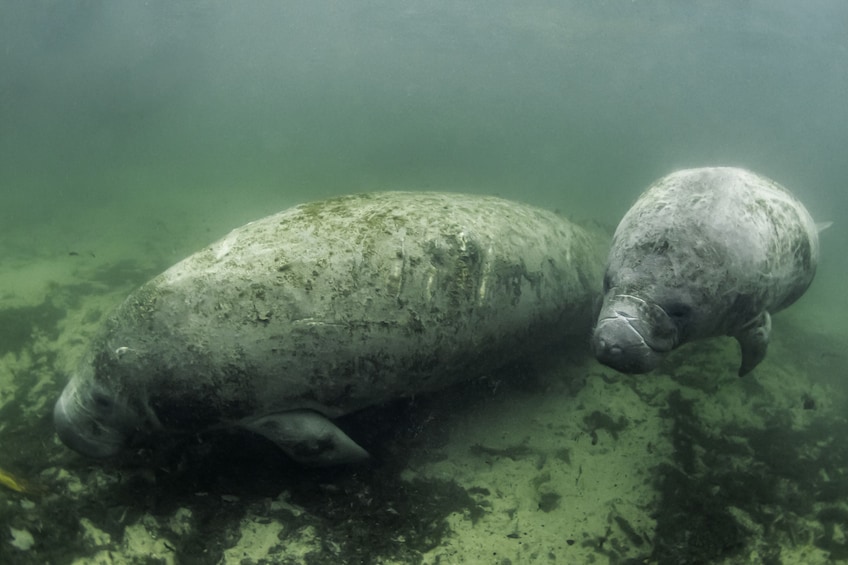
{"x":101,"y":401}
{"x":607,"y":282}
{"x":678,"y":312}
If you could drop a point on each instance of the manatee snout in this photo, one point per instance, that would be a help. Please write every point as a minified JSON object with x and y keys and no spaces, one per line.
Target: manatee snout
{"x":631,"y":335}
{"x":82,"y":420}
{"x":618,"y":344}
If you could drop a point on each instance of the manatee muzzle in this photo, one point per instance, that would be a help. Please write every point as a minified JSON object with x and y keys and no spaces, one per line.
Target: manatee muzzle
{"x":632,"y":334}
{"x":80,"y":425}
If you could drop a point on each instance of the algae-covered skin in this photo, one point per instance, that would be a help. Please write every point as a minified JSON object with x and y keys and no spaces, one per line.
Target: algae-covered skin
{"x":703,"y":252}
{"x":326,"y":308}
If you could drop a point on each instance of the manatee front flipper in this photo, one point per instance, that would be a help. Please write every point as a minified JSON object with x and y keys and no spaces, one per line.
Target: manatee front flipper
{"x":307,"y":437}
{"x":754,"y":339}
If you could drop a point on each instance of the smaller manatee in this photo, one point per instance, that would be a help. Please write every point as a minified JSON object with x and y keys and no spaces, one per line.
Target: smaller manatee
{"x":703,"y":252}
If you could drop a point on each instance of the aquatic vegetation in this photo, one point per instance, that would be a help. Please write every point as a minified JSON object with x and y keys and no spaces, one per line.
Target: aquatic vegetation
{"x":10,"y":481}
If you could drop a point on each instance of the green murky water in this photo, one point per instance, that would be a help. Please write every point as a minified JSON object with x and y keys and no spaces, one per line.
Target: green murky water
{"x":133,"y":134}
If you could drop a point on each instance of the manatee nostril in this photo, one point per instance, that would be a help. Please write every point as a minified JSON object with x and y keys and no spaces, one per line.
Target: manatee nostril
{"x":606,"y":348}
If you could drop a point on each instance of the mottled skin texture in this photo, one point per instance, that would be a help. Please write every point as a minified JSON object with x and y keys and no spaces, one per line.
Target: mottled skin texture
{"x":329,"y":307}
{"x":703,"y":252}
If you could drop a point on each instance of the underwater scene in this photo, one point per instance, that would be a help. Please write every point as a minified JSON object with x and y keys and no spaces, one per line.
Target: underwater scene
{"x":323,"y":282}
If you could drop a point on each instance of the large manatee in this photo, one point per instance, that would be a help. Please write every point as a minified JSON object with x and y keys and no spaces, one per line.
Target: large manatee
{"x":703,"y":252}
{"x":327,"y":308}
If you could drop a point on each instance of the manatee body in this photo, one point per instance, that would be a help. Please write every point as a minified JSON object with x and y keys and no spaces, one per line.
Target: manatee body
{"x":703,"y":252}
{"x":326,"y":308}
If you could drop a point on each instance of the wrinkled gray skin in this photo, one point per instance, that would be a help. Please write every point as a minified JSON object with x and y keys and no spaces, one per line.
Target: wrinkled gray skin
{"x":703,"y":252}
{"x":327,"y":308}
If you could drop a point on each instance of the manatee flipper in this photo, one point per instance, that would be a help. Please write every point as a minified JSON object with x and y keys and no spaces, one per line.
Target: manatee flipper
{"x":307,"y":437}
{"x":754,"y":339}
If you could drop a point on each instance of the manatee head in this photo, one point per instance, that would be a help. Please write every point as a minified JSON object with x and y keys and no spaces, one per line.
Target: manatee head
{"x":633,"y":332}
{"x":94,"y":415}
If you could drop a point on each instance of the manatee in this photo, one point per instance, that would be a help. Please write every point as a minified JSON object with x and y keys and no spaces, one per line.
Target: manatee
{"x":703,"y":252}
{"x":326,"y":308}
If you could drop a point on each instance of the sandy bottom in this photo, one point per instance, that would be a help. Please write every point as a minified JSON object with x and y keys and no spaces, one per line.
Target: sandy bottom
{"x":554,"y":460}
